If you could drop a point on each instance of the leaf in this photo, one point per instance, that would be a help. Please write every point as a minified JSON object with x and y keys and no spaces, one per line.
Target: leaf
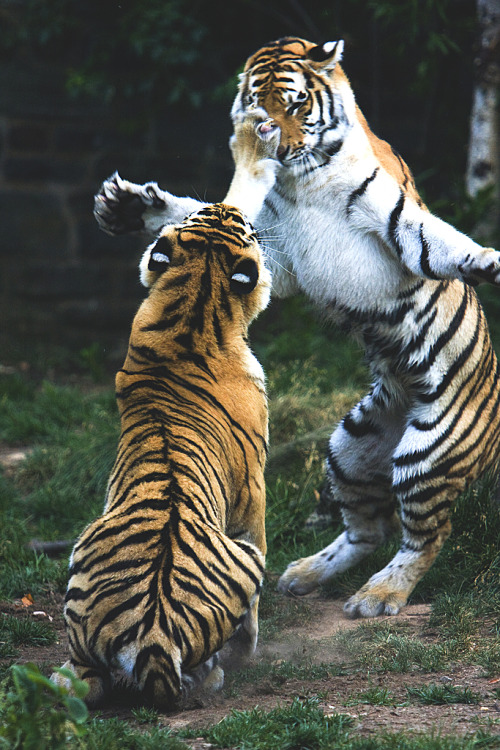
{"x":77,"y":709}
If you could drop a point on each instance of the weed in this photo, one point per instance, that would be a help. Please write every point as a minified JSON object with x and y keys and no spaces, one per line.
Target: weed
{"x":374,"y":696}
{"x":438,"y":695}
{"x":288,"y":506}
{"x":381,"y":647}
{"x":24,"y":631}
{"x":36,"y":714}
{"x":303,"y":724}
{"x":116,"y":734}
{"x":145,"y":715}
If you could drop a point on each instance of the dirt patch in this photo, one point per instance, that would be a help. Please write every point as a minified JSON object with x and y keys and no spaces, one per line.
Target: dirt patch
{"x":11,"y":457}
{"x":309,"y":640}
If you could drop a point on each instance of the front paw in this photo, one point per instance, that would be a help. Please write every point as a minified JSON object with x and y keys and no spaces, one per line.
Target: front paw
{"x":481,"y":268}
{"x":254,"y":123}
{"x":373,"y":601}
{"x":299,"y":578}
{"x":119,"y":205}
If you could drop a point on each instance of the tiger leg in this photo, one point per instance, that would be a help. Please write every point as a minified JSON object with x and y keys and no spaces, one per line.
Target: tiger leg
{"x":426,"y":526}
{"x":247,"y":525}
{"x":241,"y":646}
{"x":123,"y":207}
{"x":208,"y":676}
{"x":359,"y":472}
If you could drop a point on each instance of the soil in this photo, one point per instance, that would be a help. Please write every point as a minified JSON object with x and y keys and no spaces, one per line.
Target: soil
{"x":308,"y":640}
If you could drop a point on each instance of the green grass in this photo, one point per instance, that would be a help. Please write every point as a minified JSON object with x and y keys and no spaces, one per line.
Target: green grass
{"x":440,"y":695}
{"x":20,"y":632}
{"x":303,"y":724}
{"x":388,"y":647}
{"x":60,"y":487}
{"x":374,"y":696}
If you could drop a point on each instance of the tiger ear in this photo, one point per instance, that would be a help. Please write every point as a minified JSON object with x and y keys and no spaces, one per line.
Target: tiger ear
{"x":244,"y":277}
{"x":159,"y":256}
{"x":327,"y":54}
{"x":155,"y":261}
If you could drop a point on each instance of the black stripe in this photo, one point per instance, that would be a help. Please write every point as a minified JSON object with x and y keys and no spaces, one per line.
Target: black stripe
{"x":360,"y":190}
{"x":445,"y":337}
{"x":393,"y":223}
{"x":424,"y":256}
{"x":359,"y":429}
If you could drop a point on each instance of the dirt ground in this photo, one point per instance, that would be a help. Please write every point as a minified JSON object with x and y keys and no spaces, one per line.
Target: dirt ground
{"x":309,"y":640}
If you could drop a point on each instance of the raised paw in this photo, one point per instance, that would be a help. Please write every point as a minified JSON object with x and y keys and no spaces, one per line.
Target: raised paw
{"x":256,"y":137}
{"x":119,"y":206}
{"x":482,"y":268}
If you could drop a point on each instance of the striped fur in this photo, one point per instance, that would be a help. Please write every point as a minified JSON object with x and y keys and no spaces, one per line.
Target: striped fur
{"x":356,"y":237}
{"x":172,"y":569}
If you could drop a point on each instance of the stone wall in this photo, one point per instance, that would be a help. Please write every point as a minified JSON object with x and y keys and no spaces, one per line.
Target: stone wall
{"x":60,"y":276}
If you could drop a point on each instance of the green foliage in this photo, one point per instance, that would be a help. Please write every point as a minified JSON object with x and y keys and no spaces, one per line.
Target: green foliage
{"x":23,"y":631}
{"x":384,"y":647}
{"x":36,"y":714}
{"x":300,"y":725}
{"x":21,"y":570}
{"x":374,"y":696}
{"x":439,"y":695}
{"x":116,"y":734}
{"x":28,"y":413}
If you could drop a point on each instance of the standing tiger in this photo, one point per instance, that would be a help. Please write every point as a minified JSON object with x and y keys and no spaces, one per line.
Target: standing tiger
{"x":358,"y":240}
{"x":172,"y":569}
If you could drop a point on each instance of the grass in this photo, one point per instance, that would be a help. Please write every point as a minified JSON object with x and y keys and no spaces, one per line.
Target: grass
{"x":440,"y":695}
{"x":19,"y":632}
{"x":374,"y":696}
{"x":386,"y":647}
{"x":60,"y":486}
{"x":303,"y":724}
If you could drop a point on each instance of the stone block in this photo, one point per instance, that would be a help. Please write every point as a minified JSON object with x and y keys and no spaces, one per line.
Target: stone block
{"x":32,"y":226}
{"x":46,"y":282}
{"x":28,"y":137}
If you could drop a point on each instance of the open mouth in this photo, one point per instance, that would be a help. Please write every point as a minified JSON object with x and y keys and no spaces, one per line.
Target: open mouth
{"x":282,"y":152}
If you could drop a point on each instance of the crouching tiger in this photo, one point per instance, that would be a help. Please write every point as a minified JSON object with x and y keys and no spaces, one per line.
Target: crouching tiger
{"x":355,"y":236}
{"x":172,"y":569}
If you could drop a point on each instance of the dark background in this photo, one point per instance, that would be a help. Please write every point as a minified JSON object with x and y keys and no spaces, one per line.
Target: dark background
{"x":91,"y":86}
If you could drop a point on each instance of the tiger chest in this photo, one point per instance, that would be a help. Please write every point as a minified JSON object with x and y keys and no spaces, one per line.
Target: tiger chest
{"x":336,"y":263}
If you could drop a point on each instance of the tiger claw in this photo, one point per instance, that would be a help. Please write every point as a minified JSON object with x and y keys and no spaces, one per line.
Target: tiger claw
{"x":267,"y":129}
{"x":119,"y":206}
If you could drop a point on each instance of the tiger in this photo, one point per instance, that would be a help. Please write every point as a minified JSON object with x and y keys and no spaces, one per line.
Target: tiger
{"x":170,"y":573}
{"x":357,"y":239}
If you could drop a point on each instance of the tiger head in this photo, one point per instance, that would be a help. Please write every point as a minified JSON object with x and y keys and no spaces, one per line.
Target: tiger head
{"x":303,"y":88}
{"x":212,"y":260}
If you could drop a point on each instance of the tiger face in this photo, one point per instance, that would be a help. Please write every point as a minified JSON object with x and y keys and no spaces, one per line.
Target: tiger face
{"x":299,"y":85}
{"x":213,"y":256}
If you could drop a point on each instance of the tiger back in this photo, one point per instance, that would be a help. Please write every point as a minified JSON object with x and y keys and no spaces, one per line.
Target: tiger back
{"x":173,"y":568}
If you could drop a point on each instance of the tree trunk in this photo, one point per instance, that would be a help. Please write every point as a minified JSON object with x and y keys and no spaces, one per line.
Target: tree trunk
{"x":483,"y":169}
